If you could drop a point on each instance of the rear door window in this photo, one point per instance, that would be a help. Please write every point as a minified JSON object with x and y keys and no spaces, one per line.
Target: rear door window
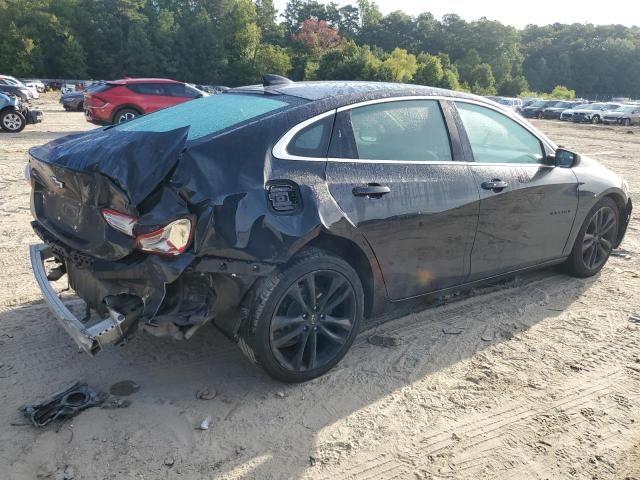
{"x":181,"y":90}
{"x":147,"y":88}
{"x":411,"y":130}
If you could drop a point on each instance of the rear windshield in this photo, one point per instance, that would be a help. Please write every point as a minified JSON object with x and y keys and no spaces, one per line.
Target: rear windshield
{"x":206,"y":115}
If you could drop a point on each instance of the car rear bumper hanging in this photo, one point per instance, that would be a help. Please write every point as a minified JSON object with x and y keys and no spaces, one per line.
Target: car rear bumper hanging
{"x":90,"y":339}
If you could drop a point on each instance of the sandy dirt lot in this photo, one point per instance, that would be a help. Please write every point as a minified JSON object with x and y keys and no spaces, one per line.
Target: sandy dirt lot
{"x":537,"y":378}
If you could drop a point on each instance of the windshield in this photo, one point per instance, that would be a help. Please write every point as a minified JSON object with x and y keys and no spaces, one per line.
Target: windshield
{"x":504,"y":101}
{"x":206,"y":115}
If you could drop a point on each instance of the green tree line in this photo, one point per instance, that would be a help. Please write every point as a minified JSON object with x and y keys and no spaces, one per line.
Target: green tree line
{"x":231,"y":42}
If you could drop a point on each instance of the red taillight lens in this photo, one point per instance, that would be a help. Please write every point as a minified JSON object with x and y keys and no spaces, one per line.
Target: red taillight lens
{"x":120,"y":221}
{"x":170,"y":240}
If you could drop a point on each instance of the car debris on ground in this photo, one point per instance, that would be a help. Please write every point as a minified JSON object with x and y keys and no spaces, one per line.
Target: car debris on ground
{"x":64,"y":404}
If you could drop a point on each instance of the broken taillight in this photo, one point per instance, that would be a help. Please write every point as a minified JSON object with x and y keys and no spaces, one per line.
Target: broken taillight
{"x":170,"y":240}
{"x":120,"y":221}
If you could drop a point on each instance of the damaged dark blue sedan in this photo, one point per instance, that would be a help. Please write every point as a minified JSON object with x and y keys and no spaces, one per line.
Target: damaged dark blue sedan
{"x":287,"y":213}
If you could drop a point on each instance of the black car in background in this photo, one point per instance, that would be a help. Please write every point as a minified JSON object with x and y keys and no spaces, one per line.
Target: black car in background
{"x":535,"y":109}
{"x":351,"y":199}
{"x":73,"y":101}
{"x":553,"y":113}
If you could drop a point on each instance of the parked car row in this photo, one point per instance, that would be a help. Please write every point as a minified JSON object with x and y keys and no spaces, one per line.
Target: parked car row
{"x":578,"y":111}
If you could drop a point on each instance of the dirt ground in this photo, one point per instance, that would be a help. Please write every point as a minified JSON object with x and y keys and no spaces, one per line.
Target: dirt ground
{"x":538,"y":378}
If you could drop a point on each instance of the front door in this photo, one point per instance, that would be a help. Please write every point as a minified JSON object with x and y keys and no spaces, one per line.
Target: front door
{"x":392,"y":172}
{"x":527,"y":208}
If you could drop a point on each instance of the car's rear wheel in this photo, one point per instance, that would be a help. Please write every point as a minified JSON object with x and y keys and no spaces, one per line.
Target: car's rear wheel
{"x":125,"y":114}
{"x":12,"y":121}
{"x":299,"y":322}
{"x":595,"y":240}
{"x":80,"y":107}
{"x":626,"y":122}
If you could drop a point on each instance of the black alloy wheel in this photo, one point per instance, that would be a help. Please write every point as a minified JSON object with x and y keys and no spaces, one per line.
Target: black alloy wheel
{"x":301,"y":320}
{"x":599,"y":237}
{"x":313,"y":321}
{"x":596,"y":239}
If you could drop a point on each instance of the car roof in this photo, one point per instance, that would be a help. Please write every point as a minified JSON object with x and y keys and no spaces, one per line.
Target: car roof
{"x":127,"y":81}
{"x":340,"y":93}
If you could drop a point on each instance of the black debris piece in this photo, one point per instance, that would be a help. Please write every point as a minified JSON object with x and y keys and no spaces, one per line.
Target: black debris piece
{"x":67,"y":403}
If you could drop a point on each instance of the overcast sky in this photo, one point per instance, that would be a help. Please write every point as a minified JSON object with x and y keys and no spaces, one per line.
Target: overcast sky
{"x":518,"y":13}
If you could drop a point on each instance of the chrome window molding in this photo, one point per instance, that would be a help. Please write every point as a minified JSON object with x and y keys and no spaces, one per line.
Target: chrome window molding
{"x":280,"y":149}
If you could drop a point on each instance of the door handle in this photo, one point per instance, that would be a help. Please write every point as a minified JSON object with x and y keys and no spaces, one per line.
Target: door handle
{"x":496,"y":185}
{"x":372,"y":190}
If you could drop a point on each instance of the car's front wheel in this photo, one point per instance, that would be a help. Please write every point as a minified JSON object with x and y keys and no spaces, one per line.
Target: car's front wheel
{"x":300,"y":321}
{"x":595,"y":240}
{"x":12,"y":121}
{"x":626,"y":122}
{"x":595,"y":119}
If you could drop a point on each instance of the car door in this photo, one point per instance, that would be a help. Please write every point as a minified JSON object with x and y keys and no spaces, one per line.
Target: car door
{"x":527,"y":207}
{"x":393,"y":171}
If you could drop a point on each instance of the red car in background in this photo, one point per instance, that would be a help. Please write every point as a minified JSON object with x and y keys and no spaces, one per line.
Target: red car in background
{"x":121,"y":100}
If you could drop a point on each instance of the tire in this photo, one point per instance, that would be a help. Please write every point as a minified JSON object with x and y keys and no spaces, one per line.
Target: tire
{"x":124,"y":115}
{"x":283,"y":332}
{"x":540,"y":116}
{"x":595,"y":119}
{"x":600,"y":230}
{"x":626,"y":122}
{"x":80,"y":107}
{"x":12,"y":121}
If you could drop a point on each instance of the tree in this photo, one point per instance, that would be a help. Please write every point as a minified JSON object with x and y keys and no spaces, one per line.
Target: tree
{"x":430,"y":71}
{"x":315,"y":36}
{"x":400,"y":66}
{"x":513,"y":86}
{"x":272,"y":59}
{"x":562,"y":92}
{"x":482,"y":80}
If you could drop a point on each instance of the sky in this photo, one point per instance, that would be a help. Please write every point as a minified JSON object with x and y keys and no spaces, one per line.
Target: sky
{"x":518,"y":13}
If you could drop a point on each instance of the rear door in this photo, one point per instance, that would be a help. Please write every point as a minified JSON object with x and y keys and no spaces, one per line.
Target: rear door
{"x":393,"y":170}
{"x":527,"y":208}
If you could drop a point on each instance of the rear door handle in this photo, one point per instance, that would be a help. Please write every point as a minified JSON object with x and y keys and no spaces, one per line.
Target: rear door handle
{"x":496,"y":185}
{"x":373,"y":190}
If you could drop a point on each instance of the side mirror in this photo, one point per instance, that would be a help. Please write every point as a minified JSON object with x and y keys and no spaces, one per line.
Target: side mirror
{"x":565,"y":158}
